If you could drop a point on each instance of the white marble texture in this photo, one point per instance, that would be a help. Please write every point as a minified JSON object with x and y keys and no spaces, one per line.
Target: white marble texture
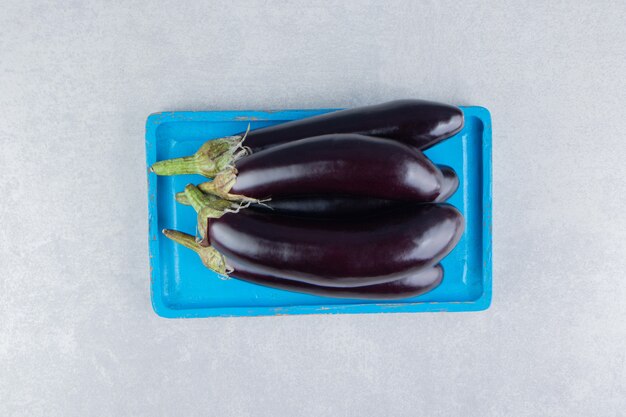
{"x":77,"y":334}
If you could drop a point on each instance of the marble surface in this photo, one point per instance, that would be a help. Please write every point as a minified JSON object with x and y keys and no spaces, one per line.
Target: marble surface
{"x":77,"y":333}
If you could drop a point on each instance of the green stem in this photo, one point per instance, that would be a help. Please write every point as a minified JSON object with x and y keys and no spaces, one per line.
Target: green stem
{"x":208,"y":206}
{"x":212,"y":158}
{"x":184,"y":239}
{"x":210,"y":257}
{"x":176,"y":166}
{"x":211,"y":205}
{"x":220,"y":187}
{"x":209,"y":189}
{"x":182,"y":198}
{"x":197,"y":199}
{"x":222,"y":184}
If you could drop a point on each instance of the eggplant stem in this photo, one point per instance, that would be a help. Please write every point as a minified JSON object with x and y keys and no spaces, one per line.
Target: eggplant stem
{"x":211,"y":205}
{"x":208,"y":207}
{"x":212,"y":158}
{"x":222,"y":184}
{"x":177,"y":166}
{"x":181,"y":198}
{"x":184,"y":239}
{"x":209,"y":256}
{"x":196,"y":198}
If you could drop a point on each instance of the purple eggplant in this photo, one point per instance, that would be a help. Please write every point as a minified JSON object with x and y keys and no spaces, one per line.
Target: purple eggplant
{"x":342,"y":207}
{"x":338,"y":165}
{"x":416,"y":284}
{"x":417,"y":123}
{"x":405,"y":287}
{"x":337,"y":206}
{"x":449,"y":184}
{"x":335,"y":252}
{"x":341,"y":165}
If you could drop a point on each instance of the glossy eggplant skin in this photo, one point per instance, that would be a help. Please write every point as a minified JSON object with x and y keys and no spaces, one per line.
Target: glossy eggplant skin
{"x":449,"y":185}
{"x":339,"y":165}
{"x":417,"y":123}
{"x":411,"y":286}
{"x":338,"y":252}
{"x":345,"y":207}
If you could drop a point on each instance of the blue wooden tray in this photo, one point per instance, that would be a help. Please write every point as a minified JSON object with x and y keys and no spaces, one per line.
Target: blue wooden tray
{"x":182,"y":287}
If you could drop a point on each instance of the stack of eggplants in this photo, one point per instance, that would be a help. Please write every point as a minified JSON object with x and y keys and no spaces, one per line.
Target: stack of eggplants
{"x":343,"y":204}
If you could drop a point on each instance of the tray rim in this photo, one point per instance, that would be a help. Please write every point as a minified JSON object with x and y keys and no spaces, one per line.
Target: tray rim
{"x":163,"y":309}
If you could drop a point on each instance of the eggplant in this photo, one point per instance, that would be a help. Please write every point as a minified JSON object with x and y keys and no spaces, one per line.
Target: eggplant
{"x":347,"y":165}
{"x":334,"y":206}
{"x":411,"y":286}
{"x":449,"y":183}
{"x":342,"y":207}
{"x":406,"y":287}
{"x":333,"y":252}
{"x":417,"y":123}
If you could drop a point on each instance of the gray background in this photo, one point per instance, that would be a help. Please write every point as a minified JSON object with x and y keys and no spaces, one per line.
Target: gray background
{"x":77,"y":333}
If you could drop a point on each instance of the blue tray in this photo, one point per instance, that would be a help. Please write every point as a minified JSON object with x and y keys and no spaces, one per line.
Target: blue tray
{"x":182,"y":287}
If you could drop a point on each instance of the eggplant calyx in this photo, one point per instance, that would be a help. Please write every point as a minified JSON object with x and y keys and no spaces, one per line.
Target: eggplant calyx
{"x":212,"y":158}
{"x":220,"y":187}
{"x":209,"y":256}
{"x":222,"y":184}
{"x":209,"y":206}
